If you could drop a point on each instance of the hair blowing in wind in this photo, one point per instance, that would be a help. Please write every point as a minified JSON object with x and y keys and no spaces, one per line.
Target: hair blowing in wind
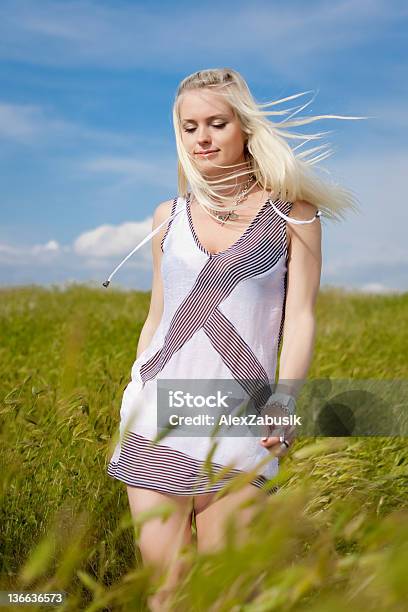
{"x":279,"y":168}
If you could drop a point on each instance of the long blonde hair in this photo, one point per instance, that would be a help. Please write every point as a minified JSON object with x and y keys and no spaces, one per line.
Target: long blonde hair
{"x":269,"y":157}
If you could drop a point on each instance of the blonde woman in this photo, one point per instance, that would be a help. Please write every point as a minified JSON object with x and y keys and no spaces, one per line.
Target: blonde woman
{"x":236,"y":271}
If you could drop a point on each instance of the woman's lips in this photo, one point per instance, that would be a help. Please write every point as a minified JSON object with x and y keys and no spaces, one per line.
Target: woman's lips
{"x":207,"y":153}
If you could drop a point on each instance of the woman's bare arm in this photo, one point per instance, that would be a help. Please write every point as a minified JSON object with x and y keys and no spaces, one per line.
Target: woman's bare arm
{"x":154,"y":315}
{"x":304,"y":270}
{"x":303,"y":281}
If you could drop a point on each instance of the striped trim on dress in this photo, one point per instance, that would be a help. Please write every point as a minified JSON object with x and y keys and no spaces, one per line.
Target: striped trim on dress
{"x":167,"y":470}
{"x":173,"y":210}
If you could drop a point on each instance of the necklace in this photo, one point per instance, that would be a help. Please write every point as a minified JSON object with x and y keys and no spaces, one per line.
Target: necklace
{"x":223,"y":217}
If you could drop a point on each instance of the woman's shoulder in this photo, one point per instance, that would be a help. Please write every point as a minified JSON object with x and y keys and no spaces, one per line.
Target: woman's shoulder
{"x":162,"y":211}
{"x":302,"y":210}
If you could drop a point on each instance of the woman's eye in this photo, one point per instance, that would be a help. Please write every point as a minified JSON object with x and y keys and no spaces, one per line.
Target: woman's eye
{"x":216,"y":125}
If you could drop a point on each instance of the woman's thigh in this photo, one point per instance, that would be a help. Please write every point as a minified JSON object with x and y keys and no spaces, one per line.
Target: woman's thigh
{"x":213,"y":513}
{"x":161,"y":538}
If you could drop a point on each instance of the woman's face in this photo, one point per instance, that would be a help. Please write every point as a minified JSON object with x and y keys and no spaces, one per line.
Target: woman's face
{"x":208,"y":124}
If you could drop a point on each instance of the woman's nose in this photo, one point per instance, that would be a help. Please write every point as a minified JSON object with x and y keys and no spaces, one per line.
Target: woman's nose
{"x":203,"y":135}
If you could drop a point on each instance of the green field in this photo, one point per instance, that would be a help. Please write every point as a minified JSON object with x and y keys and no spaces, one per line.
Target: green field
{"x":336,"y":537}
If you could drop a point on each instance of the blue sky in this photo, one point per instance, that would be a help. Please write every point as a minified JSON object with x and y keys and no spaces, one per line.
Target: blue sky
{"x":87,"y":147}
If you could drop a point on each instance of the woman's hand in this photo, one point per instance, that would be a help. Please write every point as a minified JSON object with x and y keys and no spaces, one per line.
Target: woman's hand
{"x":274,"y":434}
{"x":274,"y":444}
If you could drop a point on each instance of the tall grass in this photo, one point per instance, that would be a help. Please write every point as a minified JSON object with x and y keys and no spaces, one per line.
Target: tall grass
{"x":334,"y":537}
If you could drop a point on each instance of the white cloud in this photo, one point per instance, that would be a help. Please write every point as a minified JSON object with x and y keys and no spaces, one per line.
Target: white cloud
{"x":27,"y":254}
{"x":110,"y":240}
{"x":374,"y":288}
{"x":50,"y":246}
{"x":364,"y":288}
{"x":92,"y":252}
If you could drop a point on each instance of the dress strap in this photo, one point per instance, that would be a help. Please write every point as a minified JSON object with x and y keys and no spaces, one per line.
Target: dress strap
{"x":295,"y":221}
{"x":148,"y":237}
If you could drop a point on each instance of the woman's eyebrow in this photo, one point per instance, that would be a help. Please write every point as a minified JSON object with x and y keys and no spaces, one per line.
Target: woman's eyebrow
{"x":211,"y":117}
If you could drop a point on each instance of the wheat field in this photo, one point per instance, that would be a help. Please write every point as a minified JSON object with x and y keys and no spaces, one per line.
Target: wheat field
{"x":336,"y":537}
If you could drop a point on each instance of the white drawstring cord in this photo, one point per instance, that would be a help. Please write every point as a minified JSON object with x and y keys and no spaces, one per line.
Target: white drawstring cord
{"x":106,"y":283}
{"x":295,"y":221}
{"x":290,"y":219}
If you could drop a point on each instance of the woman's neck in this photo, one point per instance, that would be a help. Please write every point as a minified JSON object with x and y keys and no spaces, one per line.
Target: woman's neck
{"x":231,"y":190}
{"x":253,"y":191}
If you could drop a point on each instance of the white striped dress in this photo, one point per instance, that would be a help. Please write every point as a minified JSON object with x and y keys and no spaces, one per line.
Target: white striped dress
{"x":222,"y":319}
